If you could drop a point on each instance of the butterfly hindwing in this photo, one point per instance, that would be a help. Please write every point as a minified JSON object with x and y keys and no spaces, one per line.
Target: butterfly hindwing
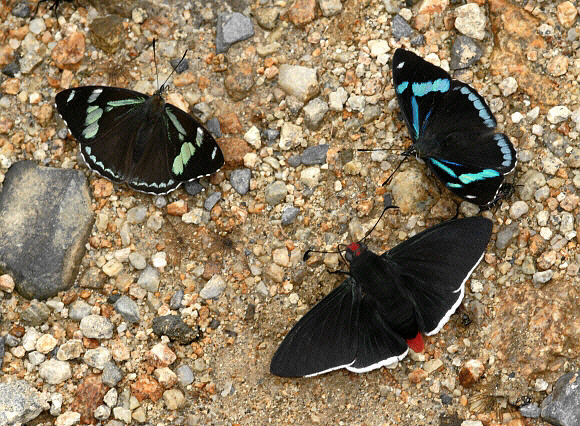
{"x":452,"y":128}
{"x":378,"y":344}
{"x":131,"y":137}
{"x":435,"y":264}
{"x":324,"y":339}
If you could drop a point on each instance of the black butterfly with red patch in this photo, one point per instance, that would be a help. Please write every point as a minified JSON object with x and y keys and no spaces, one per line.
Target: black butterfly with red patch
{"x":387,"y":303}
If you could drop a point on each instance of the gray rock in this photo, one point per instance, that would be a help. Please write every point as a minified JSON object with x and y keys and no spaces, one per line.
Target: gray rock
{"x":193,"y":187}
{"x":275,"y":193}
{"x":213,"y":125}
{"x":290,"y":213}
{"x":400,"y":27}
{"x":173,"y":327}
{"x":36,"y":314}
{"x":111,"y":374}
{"x":232,"y":28}
{"x":506,"y":235}
{"x":176,"y":299}
{"x":212,"y":200}
{"x":240,"y":180}
{"x":562,"y":406}
{"x":464,"y":53}
{"x":314,"y":112}
{"x":271,"y":135}
{"x":531,"y":411}
{"x":45,"y":222}
{"x":137,"y":260}
{"x":184,"y":375}
{"x":20,"y":403}
{"x":98,"y":357}
{"x":213,"y":288}
{"x":3,"y":349}
{"x":314,"y":155}
{"x":78,"y":310}
{"x":96,"y":327}
{"x":137,"y":214}
{"x":128,"y":309}
{"x":556,"y":143}
{"x":542,"y":277}
{"x":54,"y":371}
{"x":21,"y":10}
{"x":295,"y":160}
{"x":149,"y":279}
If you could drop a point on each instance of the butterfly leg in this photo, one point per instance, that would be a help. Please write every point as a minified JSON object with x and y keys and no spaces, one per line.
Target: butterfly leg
{"x":406,"y":155}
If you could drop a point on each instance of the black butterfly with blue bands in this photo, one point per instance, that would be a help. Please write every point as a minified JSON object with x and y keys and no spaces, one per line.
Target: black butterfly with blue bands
{"x":452,"y":129}
{"x":132,"y":137}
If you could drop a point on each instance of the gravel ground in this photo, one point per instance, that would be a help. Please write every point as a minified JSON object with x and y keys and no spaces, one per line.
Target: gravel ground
{"x":230,"y":265}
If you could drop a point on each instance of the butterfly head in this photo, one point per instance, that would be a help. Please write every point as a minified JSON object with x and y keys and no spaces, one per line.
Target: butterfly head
{"x":353,"y":250}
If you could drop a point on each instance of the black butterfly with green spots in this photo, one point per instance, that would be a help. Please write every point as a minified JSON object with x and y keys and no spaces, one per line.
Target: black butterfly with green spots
{"x":131,"y":137}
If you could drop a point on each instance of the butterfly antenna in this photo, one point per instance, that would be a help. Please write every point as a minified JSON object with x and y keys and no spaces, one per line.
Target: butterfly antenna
{"x":390,"y":206}
{"x":175,"y":69}
{"x":406,"y":155}
{"x":156,"y":71}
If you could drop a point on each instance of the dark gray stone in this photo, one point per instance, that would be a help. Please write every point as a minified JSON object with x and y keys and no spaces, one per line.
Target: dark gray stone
{"x":295,"y":161}
{"x":289,"y":215}
{"x":45,"y":222}
{"x":176,"y":299}
{"x":173,"y":327}
{"x":562,"y":406}
{"x":464,"y":53}
{"x":11,"y":69}
{"x":401,"y":28}
{"x":213,"y":125}
{"x":111,"y":374}
{"x":20,"y":403}
{"x":531,"y":411}
{"x":180,"y":66}
{"x":271,"y":135}
{"x":212,"y":200}
{"x":506,"y":235}
{"x":193,"y":187}
{"x":240,"y":180}
{"x":128,"y":309}
{"x":314,"y":155}
{"x":232,"y":28}
{"x":21,"y":10}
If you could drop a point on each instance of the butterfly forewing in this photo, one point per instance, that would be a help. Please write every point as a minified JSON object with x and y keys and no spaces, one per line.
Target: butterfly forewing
{"x":324,"y":339}
{"x":131,"y":137}
{"x":436,"y":263}
{"x":448,"y":120}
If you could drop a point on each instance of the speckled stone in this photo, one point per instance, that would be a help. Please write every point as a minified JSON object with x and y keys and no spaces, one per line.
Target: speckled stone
{"x":52,"y":223}
{"x":96,"y":327}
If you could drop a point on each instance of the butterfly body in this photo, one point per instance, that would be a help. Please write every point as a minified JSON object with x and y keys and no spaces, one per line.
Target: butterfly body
{"x":131,"y":137}
{"x":388,"y":301}
{"x":452,"y":129}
